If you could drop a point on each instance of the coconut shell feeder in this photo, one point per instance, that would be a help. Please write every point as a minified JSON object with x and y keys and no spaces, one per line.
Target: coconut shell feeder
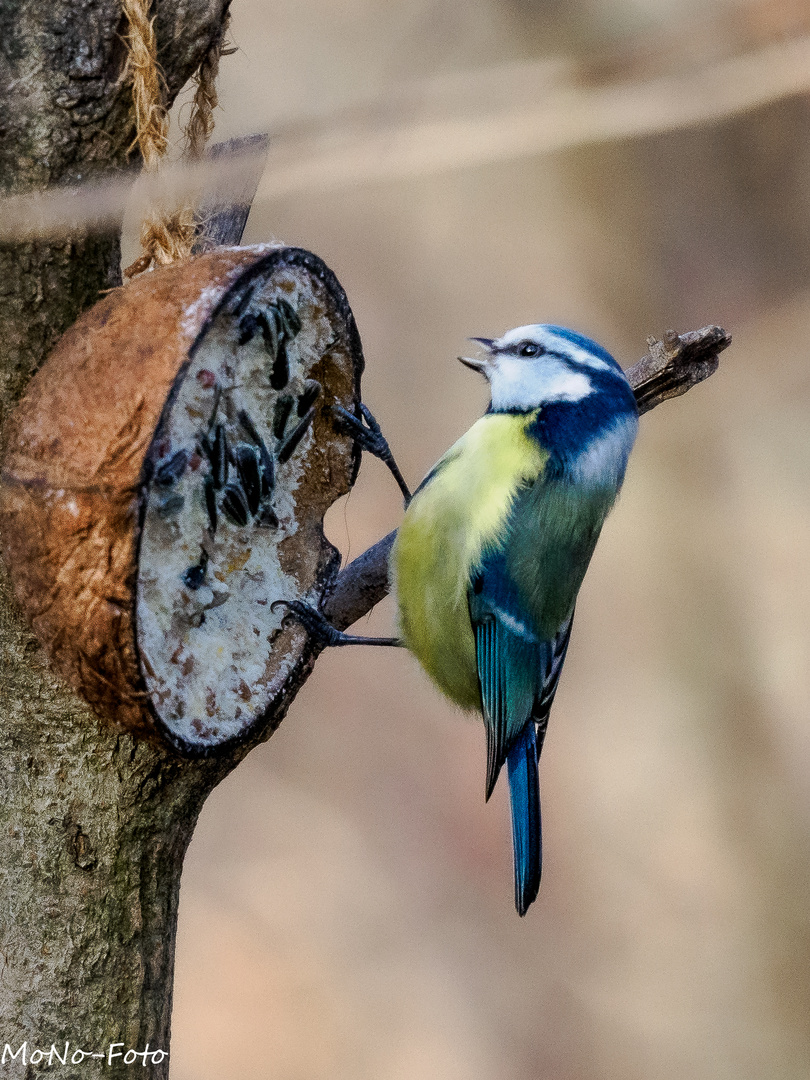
{"x":165,"y":482}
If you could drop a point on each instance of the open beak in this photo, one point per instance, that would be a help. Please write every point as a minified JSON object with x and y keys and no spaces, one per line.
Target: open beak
{"x":484,"y":365}
{"x":481,"y":366}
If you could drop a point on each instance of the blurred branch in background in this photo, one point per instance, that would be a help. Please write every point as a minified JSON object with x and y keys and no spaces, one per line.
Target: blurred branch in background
{"x":670,"y":368}
{"x":500,"y":118}
{"x":99,"y":205}
{"x":471,"y":118}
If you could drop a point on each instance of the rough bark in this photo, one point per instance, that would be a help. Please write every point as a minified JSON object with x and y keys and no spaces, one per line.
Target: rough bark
{"x":93,"y":826}
{"x":67,"y":117}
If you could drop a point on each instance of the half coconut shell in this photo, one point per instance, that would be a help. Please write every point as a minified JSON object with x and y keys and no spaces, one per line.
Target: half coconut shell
{"x":165,"y":481}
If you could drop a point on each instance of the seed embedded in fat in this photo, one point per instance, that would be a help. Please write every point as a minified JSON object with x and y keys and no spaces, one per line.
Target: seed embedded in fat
{"x":224,"y":519}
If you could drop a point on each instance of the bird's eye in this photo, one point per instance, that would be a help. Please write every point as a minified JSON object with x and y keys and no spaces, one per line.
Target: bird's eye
{"x":530,"y":348}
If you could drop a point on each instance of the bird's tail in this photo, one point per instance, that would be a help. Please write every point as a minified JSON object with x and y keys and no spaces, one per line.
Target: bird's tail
{"x":524,"y":791}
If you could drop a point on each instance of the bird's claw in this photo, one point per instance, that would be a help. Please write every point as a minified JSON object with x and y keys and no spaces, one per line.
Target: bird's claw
{"x":366,"y":432}
{"x":315,"y":624}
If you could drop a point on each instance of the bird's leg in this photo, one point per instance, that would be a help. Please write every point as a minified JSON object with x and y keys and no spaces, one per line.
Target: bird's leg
{"x":367,"y":433}
{"x":318,"y":627}
{"x":371,"y":438}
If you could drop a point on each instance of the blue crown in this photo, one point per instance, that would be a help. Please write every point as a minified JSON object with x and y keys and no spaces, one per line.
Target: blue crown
{"x":583,"y":342}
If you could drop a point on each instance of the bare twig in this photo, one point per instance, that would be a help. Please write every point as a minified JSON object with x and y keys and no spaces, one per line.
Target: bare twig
{"x":670,"y":368}
{"x":361,"y":585}
{"x":676,"y":364}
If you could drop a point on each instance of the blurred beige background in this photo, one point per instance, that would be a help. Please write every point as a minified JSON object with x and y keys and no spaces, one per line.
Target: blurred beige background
{"x":346,"y":910}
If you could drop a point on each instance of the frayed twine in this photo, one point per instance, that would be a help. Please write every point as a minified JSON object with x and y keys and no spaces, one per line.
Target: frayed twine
{"x":167,"y":236}
{"x":201,"y":121}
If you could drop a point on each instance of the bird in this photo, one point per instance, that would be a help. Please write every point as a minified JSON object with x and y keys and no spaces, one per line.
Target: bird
{"x":494,"y":545}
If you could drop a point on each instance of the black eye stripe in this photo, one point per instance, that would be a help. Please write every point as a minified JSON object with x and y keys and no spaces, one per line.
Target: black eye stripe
{"x":515,"y":350}
{"x":569,"y":361}
{"x":574,"y":365}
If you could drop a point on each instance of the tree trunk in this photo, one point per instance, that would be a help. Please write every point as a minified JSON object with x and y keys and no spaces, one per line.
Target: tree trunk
{"x":93,"y":826}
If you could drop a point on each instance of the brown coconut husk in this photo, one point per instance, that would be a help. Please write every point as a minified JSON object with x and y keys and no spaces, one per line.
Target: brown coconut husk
{"x":73,"y":474}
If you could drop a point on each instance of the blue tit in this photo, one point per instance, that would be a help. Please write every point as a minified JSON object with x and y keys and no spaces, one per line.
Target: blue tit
{"x":495,"y":543}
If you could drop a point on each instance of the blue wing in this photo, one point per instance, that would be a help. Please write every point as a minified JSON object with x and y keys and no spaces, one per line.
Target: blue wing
{"x":518,"y":675}
{"x":559,"y":648}
{"x":518,"y":672}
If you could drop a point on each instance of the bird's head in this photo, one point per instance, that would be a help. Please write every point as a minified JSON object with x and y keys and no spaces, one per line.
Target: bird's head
{"x":533,"y":365}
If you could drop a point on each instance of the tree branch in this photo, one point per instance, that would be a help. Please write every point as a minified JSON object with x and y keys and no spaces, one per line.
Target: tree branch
{"x":676,"y":364}
{"x":670,"y":368}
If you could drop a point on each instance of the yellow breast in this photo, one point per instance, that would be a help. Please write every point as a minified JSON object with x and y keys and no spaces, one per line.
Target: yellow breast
{"x":459,"y":512}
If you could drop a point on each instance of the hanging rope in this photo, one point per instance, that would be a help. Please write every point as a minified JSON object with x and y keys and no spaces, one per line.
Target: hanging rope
{"x":201,"y":121}
{"x":166,"y":235}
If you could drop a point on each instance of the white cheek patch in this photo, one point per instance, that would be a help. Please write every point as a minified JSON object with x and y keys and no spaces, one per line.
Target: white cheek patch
{"x":569,"y":386}
{"x":603,"y":461}
{"x":520,"y":383}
